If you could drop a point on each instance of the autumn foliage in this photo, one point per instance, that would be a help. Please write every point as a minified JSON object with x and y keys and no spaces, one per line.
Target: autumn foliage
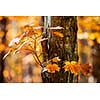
{"x":29,"y":41}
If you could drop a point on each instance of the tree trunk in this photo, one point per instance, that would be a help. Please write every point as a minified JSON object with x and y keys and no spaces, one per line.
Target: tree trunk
{"x":63,"y":47}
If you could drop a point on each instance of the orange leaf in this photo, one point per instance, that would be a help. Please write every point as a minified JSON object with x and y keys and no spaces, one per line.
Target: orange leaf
{"x":58,"y":34}
{"x":51,"y":68}
{"x":55,"y":59}
{"x":86,"y":69}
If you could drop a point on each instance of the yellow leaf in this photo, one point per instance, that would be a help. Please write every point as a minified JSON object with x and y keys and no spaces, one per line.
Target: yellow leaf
{"x":72,"y":66}
{"x":73,"y":62}
{"x":67,"y":62}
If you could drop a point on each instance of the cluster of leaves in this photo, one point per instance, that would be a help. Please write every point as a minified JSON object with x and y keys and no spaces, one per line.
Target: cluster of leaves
{"x":73,"y":66}
{"x":26,"y":42}
{"x":30,"y":41}
{"x":77,"y":68}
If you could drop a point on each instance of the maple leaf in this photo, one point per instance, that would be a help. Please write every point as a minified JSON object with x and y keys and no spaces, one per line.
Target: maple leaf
{"x":51,"y":68}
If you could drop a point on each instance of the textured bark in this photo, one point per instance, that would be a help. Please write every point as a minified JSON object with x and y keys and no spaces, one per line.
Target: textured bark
{"x":65,"y":48}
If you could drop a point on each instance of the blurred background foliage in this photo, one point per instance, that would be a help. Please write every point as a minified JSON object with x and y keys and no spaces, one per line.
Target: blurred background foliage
{"x":89,"y":44}
{"x":23,"y":68}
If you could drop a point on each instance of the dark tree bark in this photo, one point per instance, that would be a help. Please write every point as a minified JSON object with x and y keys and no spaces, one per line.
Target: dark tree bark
{"x":65,"y":48}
